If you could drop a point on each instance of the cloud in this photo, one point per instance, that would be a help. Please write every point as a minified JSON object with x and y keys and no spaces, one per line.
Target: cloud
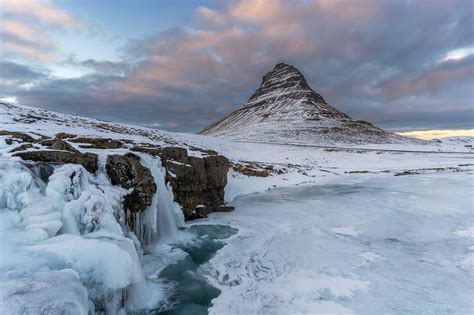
{"x":18,"y":72}
{"x":382,"y":61}
{"x":25,"y":27}
{"x":42,"y":10}
{"x":430,"y":79}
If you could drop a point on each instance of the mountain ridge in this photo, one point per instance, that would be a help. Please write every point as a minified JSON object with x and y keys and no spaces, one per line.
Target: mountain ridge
{"x":285,"y":108}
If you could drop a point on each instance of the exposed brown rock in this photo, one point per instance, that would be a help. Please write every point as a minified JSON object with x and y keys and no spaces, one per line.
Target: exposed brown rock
{"x":98,"y":143}
{"x":197,"y":182}
{"x":47,"y":142}
{"x":17,"y":135}
{"x":175,"y":153}
{"x":64,"y":135}
{"x":22,"y":147}
{"x":250,"y":170}
{"x":88,"y":160}
{"x":62,"y":145}
{"x":127,"y":171}
{"x":153,"y":150}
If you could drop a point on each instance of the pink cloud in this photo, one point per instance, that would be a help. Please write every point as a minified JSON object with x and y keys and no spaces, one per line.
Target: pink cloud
{"x":42,"y":10}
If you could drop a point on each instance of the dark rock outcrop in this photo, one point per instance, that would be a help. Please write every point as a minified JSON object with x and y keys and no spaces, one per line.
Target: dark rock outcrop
{"x":23,"y":147}
{"x":98,"y":143}
{"x":17,"y":135}
{"x":127,"y":171}
{"x":174,"y":153}
{"x":88,"y":160}
{"x":62,"y":145}
{"x":198,"y":183}
{"x":152,"y":150}
{"x":64,"y":135}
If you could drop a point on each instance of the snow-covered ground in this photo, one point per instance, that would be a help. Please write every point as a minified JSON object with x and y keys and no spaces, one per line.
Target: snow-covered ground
{"x":365,"y":244}
{"x":330,"y":230}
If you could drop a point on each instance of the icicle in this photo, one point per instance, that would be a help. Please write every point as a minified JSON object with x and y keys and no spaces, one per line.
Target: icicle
{"x":160,"y":221}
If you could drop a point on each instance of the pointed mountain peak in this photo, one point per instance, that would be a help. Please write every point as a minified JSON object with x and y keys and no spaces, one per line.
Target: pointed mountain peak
{"x":283,"y":72}
{"x":285,"y":109}
{"x":283,"y":81}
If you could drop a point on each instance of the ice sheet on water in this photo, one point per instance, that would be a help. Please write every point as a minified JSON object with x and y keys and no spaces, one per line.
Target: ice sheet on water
{"x":413,"y":253}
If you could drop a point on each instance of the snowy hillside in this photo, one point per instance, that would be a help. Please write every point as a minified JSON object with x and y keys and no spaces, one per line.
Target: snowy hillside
{"x":91,"y":222}
{"x":284,"y":109}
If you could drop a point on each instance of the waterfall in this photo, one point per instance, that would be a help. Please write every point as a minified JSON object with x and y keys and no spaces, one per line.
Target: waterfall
{"x":40,"y":173}
{"x":163,"y":218}
{"x":69,"y":218}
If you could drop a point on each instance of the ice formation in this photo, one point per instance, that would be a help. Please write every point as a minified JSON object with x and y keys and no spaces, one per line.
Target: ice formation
{"x":68,"y":224}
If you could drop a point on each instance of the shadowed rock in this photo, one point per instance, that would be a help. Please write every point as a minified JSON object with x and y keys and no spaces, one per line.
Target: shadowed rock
{"x":127,"y":171}
{"x":198,"y":184}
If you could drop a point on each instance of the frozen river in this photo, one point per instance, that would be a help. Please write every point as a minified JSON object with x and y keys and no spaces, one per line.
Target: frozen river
{"x":371,"y":245}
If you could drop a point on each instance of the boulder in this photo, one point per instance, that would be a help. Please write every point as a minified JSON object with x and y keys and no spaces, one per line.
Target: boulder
{"x":127,"y":171}
{"x":88,"y":160}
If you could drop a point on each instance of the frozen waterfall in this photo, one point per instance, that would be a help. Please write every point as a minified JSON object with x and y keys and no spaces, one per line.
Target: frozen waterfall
{"x":163,"y":218}
{"x":72,"y":223}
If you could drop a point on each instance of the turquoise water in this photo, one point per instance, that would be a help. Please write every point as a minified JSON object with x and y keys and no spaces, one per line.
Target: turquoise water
{"x":192,"y":294}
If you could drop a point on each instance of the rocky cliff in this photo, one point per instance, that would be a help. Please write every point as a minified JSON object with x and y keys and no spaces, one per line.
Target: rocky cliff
{"x":197,"y":182}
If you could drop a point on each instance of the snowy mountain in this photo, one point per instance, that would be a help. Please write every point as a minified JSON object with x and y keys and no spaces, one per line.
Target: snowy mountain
{"x":284,"y":109}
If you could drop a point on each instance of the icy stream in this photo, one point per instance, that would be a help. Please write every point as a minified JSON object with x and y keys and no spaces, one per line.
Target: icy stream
{"x":372,"y":245}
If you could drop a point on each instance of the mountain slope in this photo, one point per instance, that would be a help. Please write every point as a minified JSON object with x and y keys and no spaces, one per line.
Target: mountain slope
{"x":284,"y":109}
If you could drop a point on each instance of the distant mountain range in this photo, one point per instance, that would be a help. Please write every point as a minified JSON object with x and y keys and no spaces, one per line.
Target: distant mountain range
{"x":285,"y":109}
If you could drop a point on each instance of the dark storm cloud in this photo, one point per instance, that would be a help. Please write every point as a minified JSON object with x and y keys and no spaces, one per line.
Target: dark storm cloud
{"x":389,"y":62}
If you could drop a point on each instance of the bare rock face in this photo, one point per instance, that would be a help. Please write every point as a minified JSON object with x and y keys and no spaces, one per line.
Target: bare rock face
{"x":174,"y":153}
{"x":198,"y":183}
{"x":128,"y":172}
{"x":88,"y":160}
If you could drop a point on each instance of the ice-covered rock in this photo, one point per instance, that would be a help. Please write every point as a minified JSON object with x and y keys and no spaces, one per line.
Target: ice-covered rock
{"x":88,"y":160}
{"x":67,"y":224}
{"x":127,"y":171}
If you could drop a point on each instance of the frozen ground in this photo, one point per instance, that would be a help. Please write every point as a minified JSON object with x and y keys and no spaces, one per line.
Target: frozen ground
{"x":332,"y":230}
{"x":365,"y":245}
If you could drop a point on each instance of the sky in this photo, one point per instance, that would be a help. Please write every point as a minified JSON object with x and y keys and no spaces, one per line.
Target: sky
{"x":181,"y":65}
